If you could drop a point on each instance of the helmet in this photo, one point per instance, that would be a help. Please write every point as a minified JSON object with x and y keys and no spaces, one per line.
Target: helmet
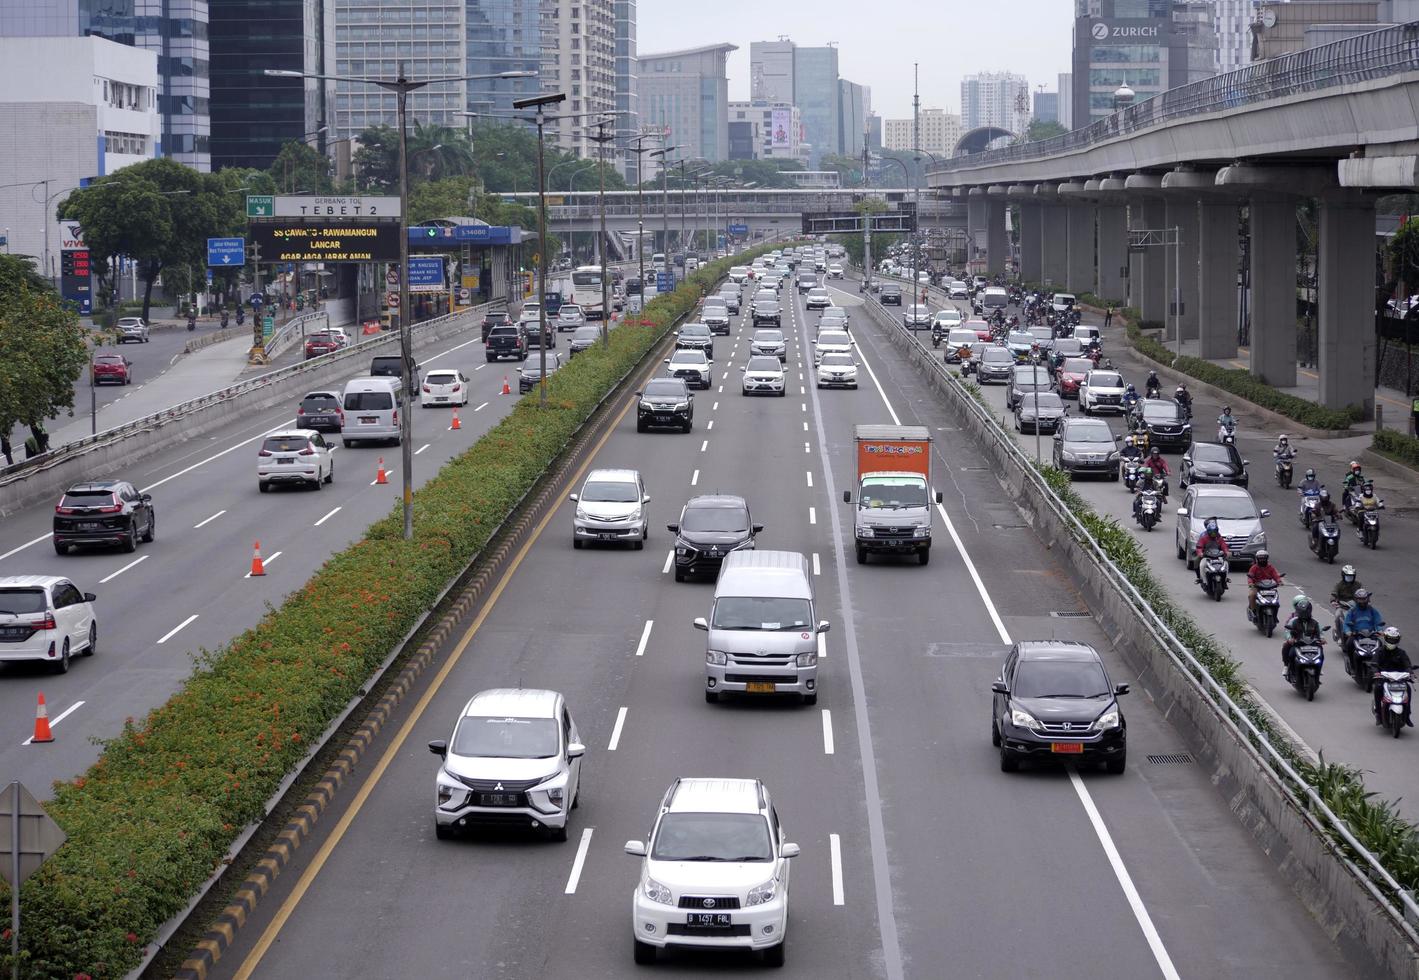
{"x":1389,"y":636}
{"x":1362,"y":598}
{"x":1128,"y":440}
{"x":1180,"y":390}
{"x":1310,"y":474}
{"x":1130,"y":389}
{"x":1301,"y":606}
{"x":1282,"y":438}
{"x":1369,"y":488}
{"x":1324,"y":494}
{"x":1347,"y":573}
{"x":1153,"y":452}
{"x":1226,"y":409}
{"x":1263,"y":557}
{"x":1355,"y":467}
{"x":1210,"y":525}
{"x":1152,"y":374}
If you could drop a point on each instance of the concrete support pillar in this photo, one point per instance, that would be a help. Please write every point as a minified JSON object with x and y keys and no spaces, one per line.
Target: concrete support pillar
{"x":976,"y":219}
{"x":1217,"y":278}
{"x":1079,"y":272}
{"x":1181,"y":213}
{"x":1147,"y":286}
{"x":1109,"y":283}
{"x":995,"y":241}
{"x":1346,"y":297}
{"x":1031,"y":241}
{"x":1273,"y":291}
{"x":1054,"y":244}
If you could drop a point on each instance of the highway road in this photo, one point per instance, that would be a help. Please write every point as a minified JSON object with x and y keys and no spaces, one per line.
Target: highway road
{"x":919,"y":857}
{"x":149,"y":361}
{"x":1339,"y":722}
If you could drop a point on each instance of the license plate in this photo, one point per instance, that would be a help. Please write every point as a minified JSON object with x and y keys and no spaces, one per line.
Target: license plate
{"x":285,"y":461}
{"x":709,"y":920}
{"x":1067,"y":748}
{"x":498,"y":799}
{"x":760,"y":687}
{"x":14,"y":632}
{"x":88,"y":525}
{"x":605,"y":536}
{"x":369,"y":420}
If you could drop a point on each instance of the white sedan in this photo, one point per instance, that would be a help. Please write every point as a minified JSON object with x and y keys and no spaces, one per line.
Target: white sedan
{"x":133,"y":328}
{"x":444,"y":386}
{"x":763,"y":375}
{"x":837,"y":370}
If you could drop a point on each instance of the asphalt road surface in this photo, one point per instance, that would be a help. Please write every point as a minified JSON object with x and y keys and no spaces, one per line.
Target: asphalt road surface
{"x":149,"y":360}
{"x":919,"y":857}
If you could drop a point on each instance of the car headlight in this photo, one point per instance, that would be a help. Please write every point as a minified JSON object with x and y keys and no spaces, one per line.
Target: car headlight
{"x":1106,"y":721}
{"x":809,"y":659}
{"x":1023,"y":719}
{"x":1187,"y":425}
{"x":1114,"y":456}
{"x":681,"y":550}
{"x":1257,"y":540}
{"x":445,"y":794}
{"x":682,"y":406}
{"x":547,"y":799}
{"x":1069,"y":457}
{"x":923,"y":529}
{"x":760,"y":894}
{"x":656,"y":892}
{"x":716,"y":657}
{"x":865,"y":532}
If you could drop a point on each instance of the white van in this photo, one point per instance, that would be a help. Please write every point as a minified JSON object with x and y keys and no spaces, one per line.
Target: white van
{"x":372,"y":410}
{"x":763,"y":637}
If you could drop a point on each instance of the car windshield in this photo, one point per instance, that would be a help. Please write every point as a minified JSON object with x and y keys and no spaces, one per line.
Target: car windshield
{"x":284,"y":444}
{"x":368,"y":401}
{"x":441,"y":378}
{"x":108,"y":358}
{"x":694,"y":330}
{"x":715,"y":305}
{"x":585,"y":335}
{"x":1090,"y":432}
{"x":770,"y":364}
{"x":318,"y":338}
{"x":320,"y":403}
{"x":768,"y":336}
{"x":712,"y":837}
{"x":688,"y":357}
{"x":1160,"y":411}
{"x":766,"y":613}
{"x":1044,"y":334}
{"x":19,"y":602}
{"x":1076,"y":365}
{"x":610,"y":491}
{"x":727,"y":519}
{"x":1060,"y":679}
{"x":1226,"y":508}
{"x":1046,"y":401}
{"x":666,"y":388}
{"x":1031,"y":376}
{"x":1105,"y":379}
{"x":893,"y":494}
{"x":506,"y":738}
{"x":1020,"y":338}
{"x":837,"y":360}
{"x":829,"y":338}
{"x":1211,"y":452}
{"x":997,"y":355}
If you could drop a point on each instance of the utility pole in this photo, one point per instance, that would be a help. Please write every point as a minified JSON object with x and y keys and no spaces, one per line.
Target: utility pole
{"x":866,"y":222}
{"x":601,"y":138}
{"x":916,"y":174}
{"x":540,"y":103}
{"x":663,"y":153}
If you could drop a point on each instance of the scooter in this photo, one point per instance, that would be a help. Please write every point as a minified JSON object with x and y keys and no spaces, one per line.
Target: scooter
{"x":1227,"y":434}
{"x":1214,"y":573}
{"x":1395,"y":687}
{"x":938,"y":334}
{"x":1268,"y":606}
{"x":1310,"y":507}
{"x":225,"y":319}
{"x":1152,"y":391}
{"x":1361,"y":648}
{"x":1367,"y":523}
{"x":1307,"y":656}
{"x":1283,"y":472}
{"x":191,"y":322}
{"x":1183,"y":406}
{"x":1133,"y":470}
{"x":1326,"y":544}
{"x":1148,"y":510}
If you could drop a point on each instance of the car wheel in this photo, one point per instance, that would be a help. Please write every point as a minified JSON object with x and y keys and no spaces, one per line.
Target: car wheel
{"x":330,"y":477}
{"x":644,"y":953}
{"x":93,"y":640}
{"x":348,"y":442}
{"x":62,"y":667}
{"x":1181,"y":552}
{"x":774,"y":956}
{"x":680,"y":575}
{"x":492,"y":358}
{"x":711,"y":697}
{"x":923,"y":556}
{"x":152,"y":531}
{"x":60,"y":548}
{"x":1115,"y":767}
{"x":810,"y":699}
{"x":443,"y":831}
{"x":640,"y":426}
{"x":638,"y":544}
{"x":558,"y":834}
{"x":130,"y":543}
{"x":994,"y":733}
{"x":266,"y":487}
{"x":861,"y":555}
{"x":1008,"y":762}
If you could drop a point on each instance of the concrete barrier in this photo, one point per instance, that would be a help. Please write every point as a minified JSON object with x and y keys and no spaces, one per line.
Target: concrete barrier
{"x":1341,"y":895}
{"x":110,"y":453}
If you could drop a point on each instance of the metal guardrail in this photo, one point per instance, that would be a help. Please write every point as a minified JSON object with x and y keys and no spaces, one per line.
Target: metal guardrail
{"x":293,"y":330}
{"x":78,"y":447}
{"x":1374,"y":875}
{"x":1378,"y":54}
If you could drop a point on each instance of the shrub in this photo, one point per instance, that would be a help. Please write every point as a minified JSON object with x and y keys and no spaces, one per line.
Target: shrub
{"x":1397,"y":446}
{"x":153,"y":817}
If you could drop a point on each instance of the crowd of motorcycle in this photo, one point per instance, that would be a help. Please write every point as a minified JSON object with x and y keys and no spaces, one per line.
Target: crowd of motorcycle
{"x":1370,"y":648}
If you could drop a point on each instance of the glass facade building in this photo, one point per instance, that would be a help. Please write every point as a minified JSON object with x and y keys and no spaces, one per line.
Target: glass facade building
{"x":1150,"y":45}
{"x":819,"y":99}
{"x":375,"y":38}
{"x":627,"y":104}
{"x":501,"y":35}
{"x":685,"y":95}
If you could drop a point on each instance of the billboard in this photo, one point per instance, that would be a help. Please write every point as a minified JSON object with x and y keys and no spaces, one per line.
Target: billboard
{"x":326,"y":241}
{"x":316,"y":206}
{"x":426,"y":274}
{"x":781,"y":129}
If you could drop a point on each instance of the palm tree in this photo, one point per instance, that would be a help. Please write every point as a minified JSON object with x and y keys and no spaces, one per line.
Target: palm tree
{"x":437,"y":151}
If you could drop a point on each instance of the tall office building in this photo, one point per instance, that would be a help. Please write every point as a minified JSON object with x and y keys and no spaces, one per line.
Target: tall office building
{"x":854,"y":103}
{"x":1300,"y":24}
{"x":874,"y":132}
{"x":817,"y":95}
{"x":766,"y":131}
{"x":940,"y":132}
{"x":175,"y":29}
{"x":253,"y":114}
{"x":1233,"y":20}
{"x":374,"y":39}
{"x":771,"y":70}
{"x":685,"y":95}
{"x":1150,"y":45}
{"x":995,"y":98}
{"x":627,"y":106}
{"x":1046,"y":107}
{"x":501,"y":35}
{"x":579,"y":59}
{"x":1066,"y":99}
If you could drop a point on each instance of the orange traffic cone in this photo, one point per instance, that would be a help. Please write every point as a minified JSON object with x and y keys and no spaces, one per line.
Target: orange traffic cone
{"x":456,"y":424}
{"x":41,"y":722}
{"x":256,"y":567}
{"x":507,"y":389}
{"x":380,"y":476}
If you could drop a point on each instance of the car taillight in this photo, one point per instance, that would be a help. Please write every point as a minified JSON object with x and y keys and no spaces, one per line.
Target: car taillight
{"x":396,"y":416}
{"x":307,"y":451}
{"x":61,"y":509}
{"x":111,"y":509}
{"x":426,"y":389}
{"x":47,"y":623}
{"x":264,"y":452}
{"x":300,"y":411}
{"x":457,"y":387}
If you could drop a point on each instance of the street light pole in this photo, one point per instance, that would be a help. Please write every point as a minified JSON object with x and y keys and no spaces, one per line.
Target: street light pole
{"x":664,"y":202}
{"x":601,"y":139}
{"x":540,"y":102}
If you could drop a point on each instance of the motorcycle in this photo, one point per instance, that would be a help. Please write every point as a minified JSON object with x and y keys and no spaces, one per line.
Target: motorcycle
{"x":241,"y":316}
{"x":1153,"y":391}
{"x":1368,"y":529}
{"x":1310,"y":507}
{"x":1361,"y":649}
{"x":1133,"y":471}
{"x":938,"y":334}
{"x":1395,"y":687}
{"x":1326,"y":544}
{"x":1303,"y":673}
{"x":1268,"y":606}
{"x":1184,"y":405}
{"x":225,"y":319}
{"x":191,"y":322}
{"x":1227,"y":434}
{"x":1214,"y":573}
{"x":1283,"y":472}
{"x":1148,"y":510}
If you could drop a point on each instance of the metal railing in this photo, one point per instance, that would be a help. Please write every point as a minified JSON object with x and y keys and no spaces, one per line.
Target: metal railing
{"x":293,"y":330}
{"x":1378,"y":54}
{"x":1382,"y":885}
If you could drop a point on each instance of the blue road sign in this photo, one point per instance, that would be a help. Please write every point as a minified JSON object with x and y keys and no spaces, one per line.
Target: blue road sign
{"x":256,"y":301}
{"x":226,"y":251}
{"x":4,"y":240}
{"x":426,"y":273}
{"x":739,"y":230}
{"x":664,"y":282}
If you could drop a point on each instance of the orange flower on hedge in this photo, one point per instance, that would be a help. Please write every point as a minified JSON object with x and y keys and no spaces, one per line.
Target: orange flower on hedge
{"x":131,"y":937}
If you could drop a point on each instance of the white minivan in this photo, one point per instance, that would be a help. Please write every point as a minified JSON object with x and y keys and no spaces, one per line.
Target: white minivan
{"x":372,"y":410}
{"x":763,"y":638}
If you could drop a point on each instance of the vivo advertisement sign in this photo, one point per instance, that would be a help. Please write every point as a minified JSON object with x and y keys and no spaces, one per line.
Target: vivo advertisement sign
{"x":1127,"y":31}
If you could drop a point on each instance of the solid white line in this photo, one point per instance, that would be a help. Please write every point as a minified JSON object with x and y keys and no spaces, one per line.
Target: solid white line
{"x":704,"y":445}
{"x":418,"y":451}
{"x":835,"y":853}
{"x":709,"y":425}
{"x":328,"y":516}
{"x":1140,"y":912}
{"x":450,"y":350}
{"x":580,"y":860}
{"x":208,"y":520}
{"x":827,"y":732}
{"x":16,"y":551}
{"x":174,"y":631}
{"x":645,"y":638}
{"x":669,"y":561}
{"x":58,"y":718}
{"x":125,"y":568}
{"x":482,"y":406}
{"x":694,"y":478}
{"x":809,"y":474}
{"x":616,"y":730}
{"x":817,"y":569}
{"x":812,"y":515}
{"x":264,"y":562}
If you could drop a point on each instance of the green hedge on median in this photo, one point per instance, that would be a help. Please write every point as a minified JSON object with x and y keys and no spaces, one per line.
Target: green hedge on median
{"x":153,"y":817}
{"x":1397,"y":446}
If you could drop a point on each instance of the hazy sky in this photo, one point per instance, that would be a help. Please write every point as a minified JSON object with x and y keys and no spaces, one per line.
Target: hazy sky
{"x":877,"y":42}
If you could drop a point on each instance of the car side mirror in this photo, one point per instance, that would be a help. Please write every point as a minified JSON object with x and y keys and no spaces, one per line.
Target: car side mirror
{"x":673,"y":528}
{"x":700,"y":624}
{"x":575,"y":750}
{"x":758,"y":528}
{"x":1246,"y":462}
{"x":1182,"y":511}
{"x":847,"y":496}
{"x":147,"y":498}
{"x":667,"y":360}
{"x":824,"y":626}
{"x":1120,"y":689}
{"x":635,"y":848}
{"x":572,"y":497}
{"x":90,"y":597}
{"x":999,"y":687}
{"x":439,"y":747}
{"x":1264,"y":512}
{"x":789,"y":851}
{"x":645,"y":498}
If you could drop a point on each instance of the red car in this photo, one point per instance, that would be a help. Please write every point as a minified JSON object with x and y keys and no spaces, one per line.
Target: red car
{"x":981,"y":328}
{"x":320,"y":343}
{"x":112,"y":368}
{"x":1071,"y":374}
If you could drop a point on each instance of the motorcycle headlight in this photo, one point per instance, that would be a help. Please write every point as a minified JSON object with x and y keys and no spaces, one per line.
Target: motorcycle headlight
{"x":1187,"y":425}
{"x":656,"y":892}
{"x":1023,"y":719}
{"x":760,"y":894}
{"x":716,"y":657}
{"x":809,"y":659}
{"x":1106,"y":721}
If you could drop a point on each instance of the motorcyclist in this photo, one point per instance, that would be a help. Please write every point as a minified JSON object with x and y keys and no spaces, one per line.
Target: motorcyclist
{"x":1310,"y":486}
{"x":1326,"y":509}
{"x":1152,"y":387}
{"x":1390,"y":656}
{"x":1353,"y":480}
{"x":1283,"y":449}
{"x":1130,"y":450}
{"x":1130,"y":395}
{"x":1261,"y":570}
{"x":1157,"y":464}
{"x":1184,"y":399}
{"x":1226,"y":420}
{"x":1367,"y":499}
{"x":1301,"y":626}
{"x":1210,"y":538}
{"x":1363,"y":617}
{"x":1346,"y":588}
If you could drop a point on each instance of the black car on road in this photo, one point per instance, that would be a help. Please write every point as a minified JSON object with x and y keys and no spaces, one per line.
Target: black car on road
{"x":1039,"y":411}
{"x":505,"y":341}
{"x":1054,"y":701}
{"x":1086,"y":446}
{"x":890,"y":296}
{"x":665,"y":403}
{"x":1168,"y":428}
{"x":1212,"y":462}
{"x":103,"y":512}
{"x":710,"y":527}
{"x":1024,"y":379}
{"x":529,"y":376}
{"x":495,"y":318}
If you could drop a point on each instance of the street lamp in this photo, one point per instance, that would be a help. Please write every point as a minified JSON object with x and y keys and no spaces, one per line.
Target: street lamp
{"x":640,"y":206}
{"x":665,"y":165}
{"x":571,"y":186}
{"x":401,"y":87}
{"x":539,"y":102}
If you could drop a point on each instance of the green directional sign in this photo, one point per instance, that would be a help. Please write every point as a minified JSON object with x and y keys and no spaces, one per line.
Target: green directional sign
{"x":259,"y":205}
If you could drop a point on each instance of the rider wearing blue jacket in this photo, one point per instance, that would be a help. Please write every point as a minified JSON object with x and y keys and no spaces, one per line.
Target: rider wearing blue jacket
{"x":1363,"y":617}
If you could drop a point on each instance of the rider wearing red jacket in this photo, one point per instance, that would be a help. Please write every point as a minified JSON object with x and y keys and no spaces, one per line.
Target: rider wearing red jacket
{"x":1210,"y":538}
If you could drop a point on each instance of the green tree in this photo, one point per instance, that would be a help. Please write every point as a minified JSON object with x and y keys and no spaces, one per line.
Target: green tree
{"x":158,"y":213}
{"x":1404,"y":255}
{"x":376,"y":162}
{"x":43,"y":350}
{"x":447,"y":198}
{"x":437,"y":151}
{"x":1041,"y":129}
{"x":301,"y":168}
{"x":17,"y":272}
{"x":849,"y":169}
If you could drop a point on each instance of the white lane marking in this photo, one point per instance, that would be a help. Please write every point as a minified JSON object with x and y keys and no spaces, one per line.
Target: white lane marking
{"x":328,"y":516}
{"x":812,"y":515}
{"x":714,"y":407}
{"x":264,"y":562}
{"x":1140,"y":911}
{"x":16,"y":551}
{"x":416,"y":452}
{"x":178,"y":628}
{"x":822,"y":646}
{"x":709,"y":425}
{"x":809,"y":474}
{"x":721,"y":389}
{"x":58,"y":718}
{"x":800,"y":375}
{"x":482,"y":406}
{"x":109,"y":578}
{"x":580,"y":860}
{"x":704,"y":445}
{"x":817,"y":569}
{"x":805,"y":426}
{"x":803,"y":406}
{"x":807,"y":448}
{"x":827,"y":732}
{"x":616,"y":730}
{"x":694,"y":478}
{"x":480,"y":367}
{"x":835,"y":853}
{"x":450,"y":350}
{"x":669,"y":561}
{"x":802,"y":390}
{"x":204,"y":462}
{"x":209,"y":520}
{"x":645,"y":638}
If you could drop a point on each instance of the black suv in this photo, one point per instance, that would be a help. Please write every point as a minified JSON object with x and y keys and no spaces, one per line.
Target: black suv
{"x":549,"y":335}
{"x":695,"y":336}
{"x":665,"y":402}
{"x":103,"y":512}
{"x":321,"y":411}
{"x":1054,"y":701}
{"x":496,"y":318}
{"x":710,"y":527}
{"x":505,"y":341}
{"x":1168,"y":428}
{"x":890,"y":296}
